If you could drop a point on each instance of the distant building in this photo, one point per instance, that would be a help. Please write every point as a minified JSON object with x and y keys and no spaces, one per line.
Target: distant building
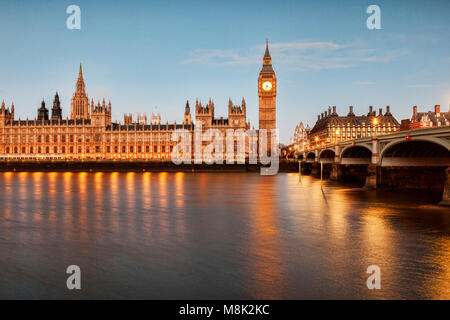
{"x":142,"y":119}
{"x":300,"y":133}
{"x":127,"y":118}
{"x":300,"y":138}
{"x":156,"y":119}
{"x":430,"y":118}
{"x":331,"y":128}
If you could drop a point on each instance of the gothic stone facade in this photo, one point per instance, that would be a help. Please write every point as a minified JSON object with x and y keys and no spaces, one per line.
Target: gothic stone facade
{"x":89,"y":133}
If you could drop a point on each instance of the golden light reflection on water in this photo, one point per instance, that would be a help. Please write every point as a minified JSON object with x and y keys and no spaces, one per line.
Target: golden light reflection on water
{"x":37,"y":194}
{"x":82,"y":203}
{"x":7,"y":190}
{"x":52,"y":195}
{"x":337,"y":217}
{"x":146,"y":200}
{"x":99,"y":191}
{"x":339,"y":232}
{"x":99,"y":188}
{"x":264,"y":245}
{"x":163,"y":214}
{"x":130,"y":194}
{"x":162,"y":182}
{"x":114,"y":199}
{"x":179,"y":189}
{"x":146,"y":195}
{"x":441,"y":259}
{"x":68,"y":178}
{"x":22,"y":194}
{"x":180,"y":203}
{"x":376,"y":232}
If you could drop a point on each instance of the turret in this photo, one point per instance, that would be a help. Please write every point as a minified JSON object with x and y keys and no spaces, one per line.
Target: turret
{"x":42,"y":112}
{"x":127,"y":118}
{"x":2,"y":114}
{"x":56,"y":110}
{"x":237,"y":114}
{"x":100,"y":114}
{"x":187,"y":114}
{"x":204,"y":114}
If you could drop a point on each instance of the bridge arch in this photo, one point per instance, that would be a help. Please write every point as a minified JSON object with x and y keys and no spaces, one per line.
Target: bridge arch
{"x":326,"y":156}
{"x":423,"y":152}
{"x":310,"y":157}
{"x":357,"y":154}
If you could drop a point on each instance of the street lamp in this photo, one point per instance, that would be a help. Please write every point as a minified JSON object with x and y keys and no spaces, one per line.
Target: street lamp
{"x":375,"y":122}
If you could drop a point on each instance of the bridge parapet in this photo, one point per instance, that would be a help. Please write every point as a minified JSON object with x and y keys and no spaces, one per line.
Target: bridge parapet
{"x":379,"y":144}
{"x":412,"y":159}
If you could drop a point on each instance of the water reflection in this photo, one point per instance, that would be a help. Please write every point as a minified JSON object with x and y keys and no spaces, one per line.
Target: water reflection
{"x":266,"y":264}
{"x":183,"y":235}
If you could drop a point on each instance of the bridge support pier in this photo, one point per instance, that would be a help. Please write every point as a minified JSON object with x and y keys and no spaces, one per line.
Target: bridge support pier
{"x":336,"y":172}
{"x":372,"y":177}
{"x":315,"y":169}
{"x":446,"y":196}
{"x":306,"y":168}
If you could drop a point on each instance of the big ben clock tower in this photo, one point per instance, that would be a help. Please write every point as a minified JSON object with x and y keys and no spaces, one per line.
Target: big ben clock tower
{"x":267,"y":92}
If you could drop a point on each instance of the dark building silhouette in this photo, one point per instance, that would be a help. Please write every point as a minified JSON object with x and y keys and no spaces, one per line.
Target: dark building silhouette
{"x":56,"y":110}
{"x":42,"y":112}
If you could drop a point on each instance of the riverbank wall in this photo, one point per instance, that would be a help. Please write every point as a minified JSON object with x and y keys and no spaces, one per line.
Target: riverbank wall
{"x":133,"y":166}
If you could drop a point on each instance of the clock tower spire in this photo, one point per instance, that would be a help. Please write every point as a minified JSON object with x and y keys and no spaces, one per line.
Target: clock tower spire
{"x":267,"y":92}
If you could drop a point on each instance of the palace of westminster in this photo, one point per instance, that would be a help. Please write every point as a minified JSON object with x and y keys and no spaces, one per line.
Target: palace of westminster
{"x":90,"y":133}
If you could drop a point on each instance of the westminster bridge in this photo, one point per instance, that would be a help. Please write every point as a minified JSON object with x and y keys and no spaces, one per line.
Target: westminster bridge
{"x":414,"y":159}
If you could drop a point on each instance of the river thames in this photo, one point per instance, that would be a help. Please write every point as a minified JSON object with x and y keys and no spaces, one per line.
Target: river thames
{"x":217,"y":236}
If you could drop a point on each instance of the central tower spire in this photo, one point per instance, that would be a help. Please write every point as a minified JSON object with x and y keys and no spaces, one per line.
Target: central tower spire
{"x":80,"y":100}
{"x":80,"y":82}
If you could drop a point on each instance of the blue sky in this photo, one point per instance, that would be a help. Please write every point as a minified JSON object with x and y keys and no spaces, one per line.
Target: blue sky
{"x":148,"y":56}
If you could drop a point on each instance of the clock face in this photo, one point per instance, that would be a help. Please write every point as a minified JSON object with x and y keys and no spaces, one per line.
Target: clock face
{"x":267,"y":86}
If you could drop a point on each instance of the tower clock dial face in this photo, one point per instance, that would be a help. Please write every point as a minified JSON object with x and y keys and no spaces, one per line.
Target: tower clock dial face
{"x":267,"y":86}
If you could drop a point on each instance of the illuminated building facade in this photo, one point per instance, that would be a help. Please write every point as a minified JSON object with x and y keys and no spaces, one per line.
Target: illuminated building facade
{"x":89,"y":133}
{"x":332,"y":128}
